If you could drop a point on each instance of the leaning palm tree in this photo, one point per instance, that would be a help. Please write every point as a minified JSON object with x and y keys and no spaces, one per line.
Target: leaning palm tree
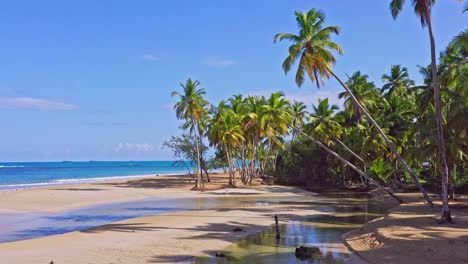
{"x":356,"y":169}
{"x":423,"y":9}
{"x":327,"y":126}
{"x":312,"y":47}
{"x":192,"y":108}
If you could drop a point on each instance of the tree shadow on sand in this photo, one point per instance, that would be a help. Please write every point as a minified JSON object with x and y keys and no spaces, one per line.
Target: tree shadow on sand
{"x":151,"y":183}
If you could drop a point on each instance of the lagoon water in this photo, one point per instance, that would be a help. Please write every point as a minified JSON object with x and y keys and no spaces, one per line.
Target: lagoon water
{"x":31,"y":174}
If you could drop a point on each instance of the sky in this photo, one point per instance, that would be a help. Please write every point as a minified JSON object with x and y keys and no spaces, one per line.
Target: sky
{"x":91,"y":80}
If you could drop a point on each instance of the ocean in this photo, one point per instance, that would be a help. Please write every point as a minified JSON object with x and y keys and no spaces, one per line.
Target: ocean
{"x":34,"y":174}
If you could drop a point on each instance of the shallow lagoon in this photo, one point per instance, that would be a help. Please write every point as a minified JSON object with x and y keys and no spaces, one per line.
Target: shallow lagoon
{"x":324,"y":231}
{"x":351,"y":210}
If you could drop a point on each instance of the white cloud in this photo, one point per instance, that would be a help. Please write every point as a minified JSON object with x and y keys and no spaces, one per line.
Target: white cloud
{"x":216,"y":61}
{"x":134,"y":147}
{"x":34,"y":103}
{"x":306,"y":96}
{"x":150,"y":57}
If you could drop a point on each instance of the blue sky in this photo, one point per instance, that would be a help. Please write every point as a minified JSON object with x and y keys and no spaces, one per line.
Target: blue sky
{"x":91,"y":80}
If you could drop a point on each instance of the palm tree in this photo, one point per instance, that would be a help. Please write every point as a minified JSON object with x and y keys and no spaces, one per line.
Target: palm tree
{"x":313,"y":49}
{"x":238,"y":107}
{"x":253,"y":129}
{"x":276,"y":117}
{"x":397,"y":80}
{"x":328,"y":127}
{"x":360,"y":172}
{"x":226,"y":133}
{"x":363,"y":90}
{"x":192,"y":109}
{"x":423,"y":9}
{"x":299,"y":112}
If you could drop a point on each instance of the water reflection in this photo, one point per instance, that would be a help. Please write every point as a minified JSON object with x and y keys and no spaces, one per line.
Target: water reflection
{"x":352,"y":210}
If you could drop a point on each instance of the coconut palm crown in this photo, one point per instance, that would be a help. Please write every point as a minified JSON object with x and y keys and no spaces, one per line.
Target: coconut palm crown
{"x":311,"y":47}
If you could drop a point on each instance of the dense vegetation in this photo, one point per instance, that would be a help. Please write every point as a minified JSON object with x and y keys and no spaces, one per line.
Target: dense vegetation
{"x":386,"y":136}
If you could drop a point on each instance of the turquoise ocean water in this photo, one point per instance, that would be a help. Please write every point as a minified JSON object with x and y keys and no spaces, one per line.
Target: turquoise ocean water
{"x":33,"y":174}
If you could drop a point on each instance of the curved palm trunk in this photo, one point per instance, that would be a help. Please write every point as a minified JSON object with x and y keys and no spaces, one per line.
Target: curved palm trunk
{"x":389,"y":143}
{"x":360,"y":172}
{"x":445,"y":214}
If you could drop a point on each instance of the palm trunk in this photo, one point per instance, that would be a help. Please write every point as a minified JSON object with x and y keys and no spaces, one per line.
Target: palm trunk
{"x":389,"y":143}
{"x":229,"y":163}
{"x":199,"y":172}
{"x":360,"y":172}
{"x":243,"y":162}
{"x":206,"y":171}
{"x":445,"y":214}
{"x":355,"y":155}
{"x":348,"y":149}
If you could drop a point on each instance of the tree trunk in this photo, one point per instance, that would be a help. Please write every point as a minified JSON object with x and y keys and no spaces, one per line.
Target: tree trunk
{"x":206,"y":172}
{"x":363,"y":183}
{"x":229,"y":164}
{"x":199,"y":173}
{"x":243,"y":162}
{"x":350,"y":165}
{"x":389,"y":143}
{"x":445,"y":214}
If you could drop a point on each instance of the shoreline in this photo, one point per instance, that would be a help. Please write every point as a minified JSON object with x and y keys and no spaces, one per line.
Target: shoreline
{"x":61,"y":182}
{"x":161,"y":238}
{"x":64,"y":197}
{"x":164,"y":238}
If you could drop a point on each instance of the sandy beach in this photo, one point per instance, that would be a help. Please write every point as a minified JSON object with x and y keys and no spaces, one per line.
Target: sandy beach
{"x":410,"y":233}
{"x":164,"y":238}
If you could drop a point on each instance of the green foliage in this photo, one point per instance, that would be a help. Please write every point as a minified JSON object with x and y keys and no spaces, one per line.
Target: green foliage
{"x":381,"y":169}
{"x":252,"y":133}
{"x":183,"y":148}
{"x":312,"y":47}
{"x":304,"y":164}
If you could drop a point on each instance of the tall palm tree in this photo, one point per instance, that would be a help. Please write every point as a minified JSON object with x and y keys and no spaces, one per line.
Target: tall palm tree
{"x":275,"y":119}
{"x":423,"y":9}
{"x":254,"y":129}
{"x":226,"y":133}
{"x":312,"y":47}
{"x":398,"y":80}
{"x":192,"y":108}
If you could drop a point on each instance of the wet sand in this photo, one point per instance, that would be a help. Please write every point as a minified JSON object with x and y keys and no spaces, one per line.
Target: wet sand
{"x":75,"y":196}
{"x":166,"y":238}
{"x":410,"y":233}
